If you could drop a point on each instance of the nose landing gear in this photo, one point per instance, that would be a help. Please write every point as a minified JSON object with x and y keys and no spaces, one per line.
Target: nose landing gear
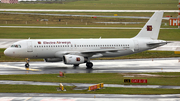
{"x":27,"y":63}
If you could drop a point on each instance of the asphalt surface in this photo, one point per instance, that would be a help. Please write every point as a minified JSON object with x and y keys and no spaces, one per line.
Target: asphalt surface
{"x":85,"y":97}
{"x":100,"y":66}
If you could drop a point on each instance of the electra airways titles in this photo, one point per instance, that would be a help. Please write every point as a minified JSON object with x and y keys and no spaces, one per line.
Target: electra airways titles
{"x":78,"y":51}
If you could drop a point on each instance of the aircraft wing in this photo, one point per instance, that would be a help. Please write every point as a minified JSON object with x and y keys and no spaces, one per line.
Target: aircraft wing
{"x":89,"y":53}
{"x":98,"y":51}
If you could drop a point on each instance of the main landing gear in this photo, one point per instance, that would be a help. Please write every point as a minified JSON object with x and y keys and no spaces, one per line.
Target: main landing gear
{"x":75,"y":66}
{"x":89,"y":65}
{"x":27,"y":63}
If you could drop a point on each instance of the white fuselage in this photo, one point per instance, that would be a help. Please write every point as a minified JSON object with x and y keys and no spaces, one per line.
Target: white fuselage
{"x":56,"y":48}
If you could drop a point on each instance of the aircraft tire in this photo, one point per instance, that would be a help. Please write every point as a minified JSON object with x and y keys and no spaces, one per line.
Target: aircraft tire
{"x":89,"y":65}
{"x":27,"y":65}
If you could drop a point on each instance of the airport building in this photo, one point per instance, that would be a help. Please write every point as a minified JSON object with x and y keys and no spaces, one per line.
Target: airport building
{"x":9,"y":1}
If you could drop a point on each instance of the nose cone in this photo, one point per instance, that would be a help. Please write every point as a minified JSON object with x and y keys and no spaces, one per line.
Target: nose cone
{"x":7,"y":52}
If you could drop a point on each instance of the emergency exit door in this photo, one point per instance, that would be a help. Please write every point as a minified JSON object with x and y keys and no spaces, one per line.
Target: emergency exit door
{"x":29,"y":46}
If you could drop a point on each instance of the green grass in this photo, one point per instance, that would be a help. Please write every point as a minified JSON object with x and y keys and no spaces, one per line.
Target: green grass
{"x":107,"y":90}
{"x":35,"y":33}
{"x":106,"y":78}
{"x":102,"y":5}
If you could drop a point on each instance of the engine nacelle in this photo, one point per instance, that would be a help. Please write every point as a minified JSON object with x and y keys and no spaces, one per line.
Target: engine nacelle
{"x":53,"y":59}
{"x":74,"y":59}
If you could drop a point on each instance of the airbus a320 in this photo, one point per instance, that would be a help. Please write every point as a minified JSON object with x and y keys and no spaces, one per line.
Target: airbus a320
{"x":78,"y":51}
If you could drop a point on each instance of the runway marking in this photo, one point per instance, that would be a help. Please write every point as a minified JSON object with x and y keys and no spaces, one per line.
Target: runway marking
{"x":6,"y":99}
{"x":1,"y":65}
{"x":57,"y":99}
{"x":28,"y":99}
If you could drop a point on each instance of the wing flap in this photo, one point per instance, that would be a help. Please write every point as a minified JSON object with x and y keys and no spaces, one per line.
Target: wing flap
{"x":98,"y":51}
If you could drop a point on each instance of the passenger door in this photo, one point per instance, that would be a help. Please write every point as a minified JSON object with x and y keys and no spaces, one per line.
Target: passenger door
{"x":29,"y":46}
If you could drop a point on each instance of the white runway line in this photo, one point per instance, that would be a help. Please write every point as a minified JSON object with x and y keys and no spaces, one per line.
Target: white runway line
{"x":16,"y":67}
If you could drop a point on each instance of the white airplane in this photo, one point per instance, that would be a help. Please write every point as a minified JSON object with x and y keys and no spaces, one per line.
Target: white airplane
{"x":78,"y":51}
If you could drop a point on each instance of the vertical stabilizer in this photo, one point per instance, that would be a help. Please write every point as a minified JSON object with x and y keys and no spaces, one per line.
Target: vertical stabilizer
{"x":152,"y":27}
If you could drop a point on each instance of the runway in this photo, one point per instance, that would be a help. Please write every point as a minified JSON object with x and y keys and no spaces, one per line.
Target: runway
{"x":85,"y":97}
{"x":100,"y":66}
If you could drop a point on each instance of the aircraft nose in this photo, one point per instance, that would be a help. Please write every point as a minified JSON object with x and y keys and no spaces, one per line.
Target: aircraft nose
{"x":7,"y":52}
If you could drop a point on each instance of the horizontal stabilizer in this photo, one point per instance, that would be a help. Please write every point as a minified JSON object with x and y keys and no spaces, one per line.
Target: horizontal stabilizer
{"x":158,"y":43}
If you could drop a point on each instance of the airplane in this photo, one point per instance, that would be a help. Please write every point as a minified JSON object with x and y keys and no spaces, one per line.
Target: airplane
{"x":78,"y":51}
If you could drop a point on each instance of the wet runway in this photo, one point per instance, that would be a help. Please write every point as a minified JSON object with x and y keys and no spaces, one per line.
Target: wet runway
{"x":100,"y":66}
{"x":85,"y":97}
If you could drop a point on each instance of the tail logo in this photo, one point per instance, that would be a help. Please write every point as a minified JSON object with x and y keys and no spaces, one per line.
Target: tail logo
{"x":149,"y":27}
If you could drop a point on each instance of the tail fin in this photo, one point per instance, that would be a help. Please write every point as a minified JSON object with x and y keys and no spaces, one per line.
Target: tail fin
{"x":152,"y":27}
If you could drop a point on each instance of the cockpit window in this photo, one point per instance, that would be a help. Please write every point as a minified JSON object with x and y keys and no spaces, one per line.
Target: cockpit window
{"x":16,"y":46}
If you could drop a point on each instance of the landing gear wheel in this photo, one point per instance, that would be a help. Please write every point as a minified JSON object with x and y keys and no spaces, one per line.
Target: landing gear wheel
{"x":27,"y":65}
{"x":89,"y":65}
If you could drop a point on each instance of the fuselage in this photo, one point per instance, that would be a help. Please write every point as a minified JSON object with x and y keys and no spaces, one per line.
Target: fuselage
{"x":56,"y":48}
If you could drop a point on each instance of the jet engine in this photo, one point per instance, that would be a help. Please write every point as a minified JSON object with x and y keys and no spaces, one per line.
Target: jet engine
{"x":74,"y":59}
{"x":53,"y":59}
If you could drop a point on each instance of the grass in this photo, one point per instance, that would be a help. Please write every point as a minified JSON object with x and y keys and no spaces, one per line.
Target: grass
{"x":107,"y":90}
{"x":35,"y":33}
{"x":106,"y":78}
{"x":101,"y":5}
